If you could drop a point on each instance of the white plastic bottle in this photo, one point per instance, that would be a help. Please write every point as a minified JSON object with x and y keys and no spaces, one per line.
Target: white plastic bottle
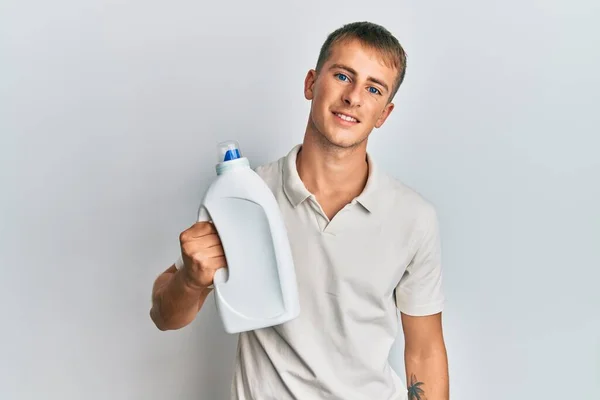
{"x":258,"y":288}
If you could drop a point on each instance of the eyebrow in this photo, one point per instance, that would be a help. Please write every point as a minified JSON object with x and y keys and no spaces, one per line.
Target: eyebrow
{"x":352,"y":71}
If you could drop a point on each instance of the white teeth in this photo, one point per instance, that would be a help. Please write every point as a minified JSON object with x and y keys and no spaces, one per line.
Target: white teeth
{"x":346,"y":118}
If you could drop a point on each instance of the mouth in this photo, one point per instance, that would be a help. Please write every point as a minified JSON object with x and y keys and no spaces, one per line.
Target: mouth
{"x":346,"y":117}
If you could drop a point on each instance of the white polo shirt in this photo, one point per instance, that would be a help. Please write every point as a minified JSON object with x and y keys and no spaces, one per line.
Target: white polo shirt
{"x":381,"y":251}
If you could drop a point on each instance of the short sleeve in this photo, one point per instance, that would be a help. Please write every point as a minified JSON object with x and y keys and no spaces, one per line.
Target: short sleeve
{"x":419,"y":291}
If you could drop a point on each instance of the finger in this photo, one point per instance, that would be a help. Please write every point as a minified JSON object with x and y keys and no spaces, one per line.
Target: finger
{"x":210,"y":240}
{"x":215,"y":263}
{"x":203,"y":254}
{"x":214,"y":251}
{"x":198,"y":230}
{"x":200,"y":245}
{"x":202,"y":229}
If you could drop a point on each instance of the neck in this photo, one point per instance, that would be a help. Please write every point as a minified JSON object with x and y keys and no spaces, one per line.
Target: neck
{"x":329,"y":171}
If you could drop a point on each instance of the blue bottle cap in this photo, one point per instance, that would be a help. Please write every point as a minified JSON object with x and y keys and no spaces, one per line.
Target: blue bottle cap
{"x":228,"y":150}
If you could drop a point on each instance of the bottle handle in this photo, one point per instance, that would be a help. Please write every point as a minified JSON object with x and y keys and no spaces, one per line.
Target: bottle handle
{"x":203,"y":215}
{"x":222,"y":274}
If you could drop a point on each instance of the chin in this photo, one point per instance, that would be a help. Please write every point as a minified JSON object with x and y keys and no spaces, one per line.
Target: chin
{"x":344,"y":140}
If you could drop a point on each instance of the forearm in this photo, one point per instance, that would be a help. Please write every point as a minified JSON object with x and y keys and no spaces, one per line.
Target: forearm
{"x":427,"y":374}
{"x":175,"y":303}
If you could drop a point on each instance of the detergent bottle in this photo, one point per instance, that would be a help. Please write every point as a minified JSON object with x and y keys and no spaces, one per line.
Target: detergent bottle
{"x":258,"y":287}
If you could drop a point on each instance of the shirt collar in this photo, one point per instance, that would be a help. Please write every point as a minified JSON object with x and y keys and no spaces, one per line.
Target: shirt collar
{"x":296,"y":192}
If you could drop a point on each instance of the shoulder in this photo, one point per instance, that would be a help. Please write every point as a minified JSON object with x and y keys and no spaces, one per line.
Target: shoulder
{"x":269,"y":169}
{"x":402,"y":194}
{"x":404,"y":202}
{"x":271,"y":172}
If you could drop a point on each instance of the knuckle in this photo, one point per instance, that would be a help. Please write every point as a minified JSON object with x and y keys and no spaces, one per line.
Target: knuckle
{"x":182,"y":237}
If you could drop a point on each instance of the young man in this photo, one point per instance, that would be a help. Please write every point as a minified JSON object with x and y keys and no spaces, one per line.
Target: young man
{"x":363,"y":245}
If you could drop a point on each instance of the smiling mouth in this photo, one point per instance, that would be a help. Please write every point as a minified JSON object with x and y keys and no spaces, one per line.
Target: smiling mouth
{"x":345,"y":117}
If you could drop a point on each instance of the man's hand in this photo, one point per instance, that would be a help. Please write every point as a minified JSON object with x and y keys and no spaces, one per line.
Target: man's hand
{"x":178,"y":295}
{"x":202,"y":254}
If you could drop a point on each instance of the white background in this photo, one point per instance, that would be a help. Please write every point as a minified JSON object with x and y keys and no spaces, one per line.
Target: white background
{"x":109,"y":116}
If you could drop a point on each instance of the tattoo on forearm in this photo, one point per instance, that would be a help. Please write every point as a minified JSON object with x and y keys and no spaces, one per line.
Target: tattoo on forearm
{"x":414,"y":389}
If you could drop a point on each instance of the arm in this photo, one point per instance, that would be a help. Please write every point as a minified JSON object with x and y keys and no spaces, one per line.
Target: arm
{"x":175,"y":302}
{"x":425,"y":358}
{"x":420,"y":299}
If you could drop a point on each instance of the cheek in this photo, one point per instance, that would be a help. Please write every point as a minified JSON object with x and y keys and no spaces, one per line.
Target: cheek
{"x":374,"y":115}
{"x":326,"y":91}
{"x":317,"y":95}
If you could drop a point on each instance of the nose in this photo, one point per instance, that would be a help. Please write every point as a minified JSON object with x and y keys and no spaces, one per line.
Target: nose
{"x":352,"y":96}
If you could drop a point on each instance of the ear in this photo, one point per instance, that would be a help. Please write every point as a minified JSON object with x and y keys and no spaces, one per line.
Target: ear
{"x":309,"y":83}
{"x":384,"y":114}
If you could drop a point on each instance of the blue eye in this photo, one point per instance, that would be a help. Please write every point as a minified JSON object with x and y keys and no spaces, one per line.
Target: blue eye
{"x":342,"y":77}
{"x":374,"y":90}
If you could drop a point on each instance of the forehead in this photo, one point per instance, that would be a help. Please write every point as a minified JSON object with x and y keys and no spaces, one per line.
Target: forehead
{"x":362,"y":58}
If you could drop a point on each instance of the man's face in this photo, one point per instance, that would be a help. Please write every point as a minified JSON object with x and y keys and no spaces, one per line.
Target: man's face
{"x":350,"y":94}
